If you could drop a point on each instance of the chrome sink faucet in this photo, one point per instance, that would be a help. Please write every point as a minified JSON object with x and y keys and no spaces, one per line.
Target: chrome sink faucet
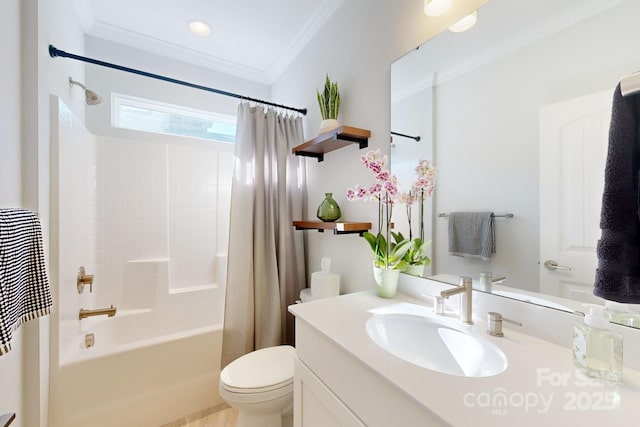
{"x":466,"y":291}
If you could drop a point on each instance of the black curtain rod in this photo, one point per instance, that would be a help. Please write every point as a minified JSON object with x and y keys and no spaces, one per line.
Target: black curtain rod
{"x":53,"y":52}
{"x":417,"y":138}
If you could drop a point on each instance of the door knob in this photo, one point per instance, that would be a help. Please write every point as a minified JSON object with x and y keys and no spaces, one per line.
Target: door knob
{"x":553,"y":266}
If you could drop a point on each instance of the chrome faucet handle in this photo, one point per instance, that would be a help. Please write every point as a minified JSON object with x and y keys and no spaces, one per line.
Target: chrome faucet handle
{"x":494,"y":324}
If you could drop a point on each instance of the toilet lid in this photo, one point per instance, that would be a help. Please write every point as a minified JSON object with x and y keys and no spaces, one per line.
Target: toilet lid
{"x":267,"y":368}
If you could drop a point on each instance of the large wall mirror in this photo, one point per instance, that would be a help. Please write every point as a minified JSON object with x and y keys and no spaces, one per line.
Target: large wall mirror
{"x":515,"y":115}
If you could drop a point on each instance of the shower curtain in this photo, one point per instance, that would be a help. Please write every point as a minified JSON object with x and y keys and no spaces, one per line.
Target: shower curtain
{"x":265,"y":266}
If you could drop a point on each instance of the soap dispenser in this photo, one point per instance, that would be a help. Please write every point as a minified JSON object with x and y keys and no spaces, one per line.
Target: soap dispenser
{"x":597,"y":350}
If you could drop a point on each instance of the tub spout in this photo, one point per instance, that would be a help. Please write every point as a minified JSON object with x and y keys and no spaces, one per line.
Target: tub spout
{"x":110,"y":311}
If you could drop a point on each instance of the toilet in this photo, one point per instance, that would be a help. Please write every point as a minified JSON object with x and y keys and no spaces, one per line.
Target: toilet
{"x":260,"y":386}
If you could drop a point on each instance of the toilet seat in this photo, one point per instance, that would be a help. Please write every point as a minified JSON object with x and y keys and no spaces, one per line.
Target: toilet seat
{"x":260,"y":371}
{"x":255,"y":390}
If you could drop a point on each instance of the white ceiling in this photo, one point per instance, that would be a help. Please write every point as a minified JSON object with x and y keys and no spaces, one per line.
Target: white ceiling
{"x":253,"y":39}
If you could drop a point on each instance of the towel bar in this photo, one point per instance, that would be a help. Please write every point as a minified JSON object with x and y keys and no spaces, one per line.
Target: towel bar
{"x":507,"y":215}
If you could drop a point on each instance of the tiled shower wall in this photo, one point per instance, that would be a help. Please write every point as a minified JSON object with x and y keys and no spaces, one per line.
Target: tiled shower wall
{"x":73,"y":196}
{"x":162,"y":217}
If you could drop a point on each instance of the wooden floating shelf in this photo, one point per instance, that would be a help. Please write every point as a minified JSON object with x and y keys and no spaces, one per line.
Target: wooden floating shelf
{"x":333,"y":140}
{"x":337,"y":227}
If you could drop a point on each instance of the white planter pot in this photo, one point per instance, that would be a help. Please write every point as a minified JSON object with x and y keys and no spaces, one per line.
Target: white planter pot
{"x":415,"y":270}
{"x":328,"y":125}
{"x":386,"y":281}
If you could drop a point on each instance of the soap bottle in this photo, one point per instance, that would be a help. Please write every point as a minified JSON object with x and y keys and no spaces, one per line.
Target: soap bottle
{"x":597,"y":350}
{"x":621,"y":314}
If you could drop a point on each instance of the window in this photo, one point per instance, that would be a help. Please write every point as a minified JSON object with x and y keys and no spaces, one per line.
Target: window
{"x":129,"y":112}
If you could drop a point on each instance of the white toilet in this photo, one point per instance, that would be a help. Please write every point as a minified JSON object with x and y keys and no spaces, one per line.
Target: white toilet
{"x":260,"y":385}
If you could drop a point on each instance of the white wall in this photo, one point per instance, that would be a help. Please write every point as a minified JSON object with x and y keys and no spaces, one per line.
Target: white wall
{"x":356,"y":48}
{"x":10,"y":104}
{"x":26,"y":78}
{"x":11,"y":364}
{"x":106,"y":80}
{"x":56,"y":24}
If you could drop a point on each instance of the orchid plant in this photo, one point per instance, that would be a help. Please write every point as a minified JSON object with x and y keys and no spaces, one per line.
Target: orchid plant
{"x":422,"y":188}
{"x":388,"y":253}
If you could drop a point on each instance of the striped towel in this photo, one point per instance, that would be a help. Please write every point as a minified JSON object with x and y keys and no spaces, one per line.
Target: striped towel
{"x":472,"y":234}
{"x":24,"y":287}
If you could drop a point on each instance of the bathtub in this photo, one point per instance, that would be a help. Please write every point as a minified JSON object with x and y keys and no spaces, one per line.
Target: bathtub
{"x":158,"y":359}
{"x":148,"y":367}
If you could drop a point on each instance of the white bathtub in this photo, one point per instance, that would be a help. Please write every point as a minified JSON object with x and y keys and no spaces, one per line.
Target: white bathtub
{"x":158,"y":359}
{"x":148,"y":367}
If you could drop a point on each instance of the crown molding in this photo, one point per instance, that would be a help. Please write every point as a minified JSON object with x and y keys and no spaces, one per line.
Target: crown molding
{"x":143,"y":42}
{"x":319,"y":18}
{"x":120,"y":35}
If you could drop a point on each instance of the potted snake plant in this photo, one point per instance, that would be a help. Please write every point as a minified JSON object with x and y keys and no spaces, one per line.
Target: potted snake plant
{"x":329,"y":102}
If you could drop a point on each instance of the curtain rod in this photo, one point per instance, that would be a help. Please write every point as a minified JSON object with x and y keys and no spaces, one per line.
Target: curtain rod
{"x":53,"y":52}
{"x":417,"y":138}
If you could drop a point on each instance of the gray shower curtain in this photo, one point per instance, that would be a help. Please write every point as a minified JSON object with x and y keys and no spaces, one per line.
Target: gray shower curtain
{"x":265,"y":266}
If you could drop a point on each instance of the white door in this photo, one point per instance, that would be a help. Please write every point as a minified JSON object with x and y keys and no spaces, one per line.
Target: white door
{"x":573,"y":150}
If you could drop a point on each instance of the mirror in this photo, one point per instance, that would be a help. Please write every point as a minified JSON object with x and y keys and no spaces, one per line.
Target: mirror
{"x":490,"y":107}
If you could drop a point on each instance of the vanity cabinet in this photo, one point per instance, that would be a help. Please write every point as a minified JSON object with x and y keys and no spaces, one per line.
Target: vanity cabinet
{"x":333,"y":388}
{"x":316,"y":405}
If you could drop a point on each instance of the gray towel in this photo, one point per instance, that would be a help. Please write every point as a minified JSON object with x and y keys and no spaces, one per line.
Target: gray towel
{"x":24,"y":286}
{"x":472,"y":234}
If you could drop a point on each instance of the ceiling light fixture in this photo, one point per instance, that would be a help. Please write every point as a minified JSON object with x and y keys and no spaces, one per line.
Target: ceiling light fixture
{"x":437,"y":7}
{"x":199,"y":28}
{"x":465,"y":23}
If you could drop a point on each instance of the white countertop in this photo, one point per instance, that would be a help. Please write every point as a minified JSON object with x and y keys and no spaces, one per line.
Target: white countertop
{"x":540,"y":384}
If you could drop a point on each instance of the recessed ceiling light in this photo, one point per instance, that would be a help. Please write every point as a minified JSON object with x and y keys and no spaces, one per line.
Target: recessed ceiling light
{"x":199,"y":28}
{"x":465,"y":23}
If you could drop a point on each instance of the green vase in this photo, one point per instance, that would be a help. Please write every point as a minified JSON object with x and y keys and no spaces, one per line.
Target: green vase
{"x":328,"y":210}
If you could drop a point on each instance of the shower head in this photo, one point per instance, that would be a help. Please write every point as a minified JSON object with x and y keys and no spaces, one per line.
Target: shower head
{"x":91,"y":98}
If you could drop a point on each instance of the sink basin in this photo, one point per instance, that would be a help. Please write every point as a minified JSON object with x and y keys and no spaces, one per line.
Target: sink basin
{"x":436,"y":344}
